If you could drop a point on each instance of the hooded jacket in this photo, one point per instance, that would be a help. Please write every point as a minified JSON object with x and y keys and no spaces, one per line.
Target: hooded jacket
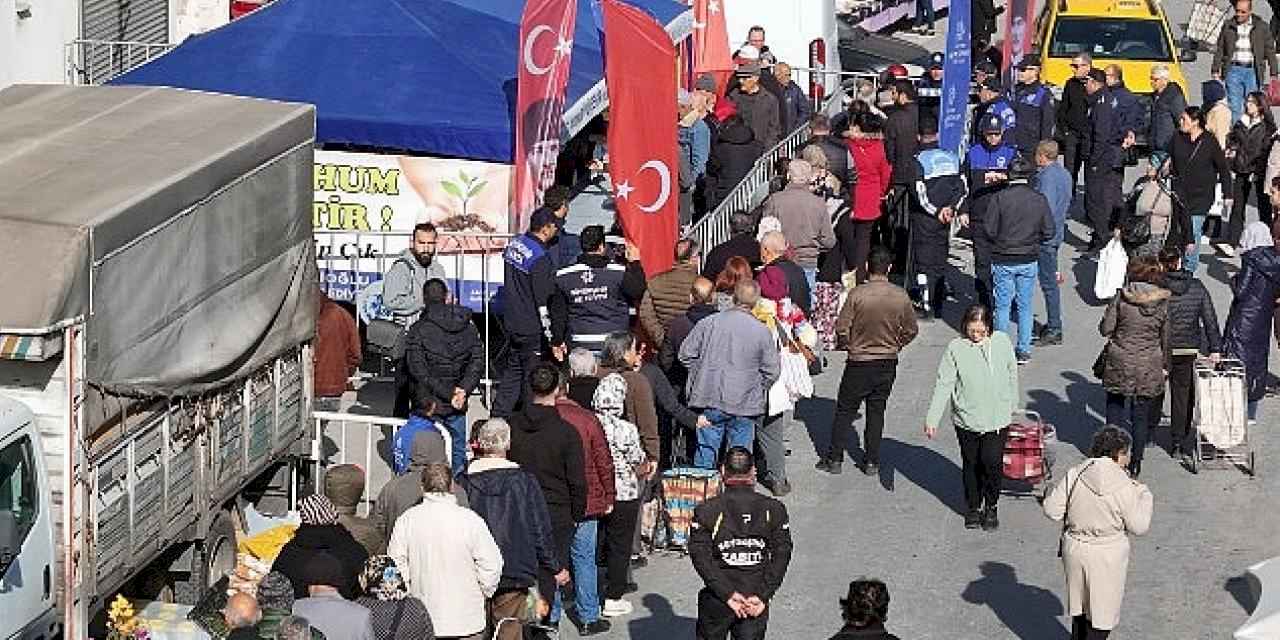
{"x":1193,"y":323}
{"x":733,"y":155}
{"x":444,"y":353}
{"x":510,"y":502}
{"x":344,"y":489}
{"x":404,"y":491}
{"x":1101,"y":505}
{"x":622,"y":436}
{"x":1017,"y":222}
{"x":597,"y":463}
{"x":1137,"y":353}
{"x":402,"y":286}
{"x":1248,"y":330}
{"x":311,"y":539}
{"x":547,"y":446}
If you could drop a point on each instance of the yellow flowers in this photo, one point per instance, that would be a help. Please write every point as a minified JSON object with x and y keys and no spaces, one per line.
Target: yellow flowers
{"x":123,"y":620}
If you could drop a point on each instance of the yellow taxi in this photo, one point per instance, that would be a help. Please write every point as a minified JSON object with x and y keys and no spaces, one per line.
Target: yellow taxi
{"x":1134,"y":34}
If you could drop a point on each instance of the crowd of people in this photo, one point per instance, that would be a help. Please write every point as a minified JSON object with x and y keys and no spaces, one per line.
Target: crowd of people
{"x":610,"y":377}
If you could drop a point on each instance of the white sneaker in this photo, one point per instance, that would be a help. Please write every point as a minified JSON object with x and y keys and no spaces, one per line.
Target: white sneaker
{"x":616,"y":608}
{"x":1204,"y":241}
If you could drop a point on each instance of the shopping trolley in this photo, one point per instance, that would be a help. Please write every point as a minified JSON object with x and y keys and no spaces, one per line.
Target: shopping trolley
{"x":1028,"y":459}
{"x":1221,"y":426}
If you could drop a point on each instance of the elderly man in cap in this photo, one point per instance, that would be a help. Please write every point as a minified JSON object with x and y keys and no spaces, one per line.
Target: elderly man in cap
{"x":324,"y":606}
{"x":991,"y":102}
{"x":759,"y":108}
{"x":1033,"y":108}
{"x":318,"y":532}
{"x":796,"y":107}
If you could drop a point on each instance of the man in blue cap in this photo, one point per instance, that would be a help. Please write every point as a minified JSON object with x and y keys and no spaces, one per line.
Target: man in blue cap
{"x":987,"y":167}
{"x":991,"y":102}
{"x":929,"y":90}
{"x":1033,"y":107}
{"x":529,"y":283}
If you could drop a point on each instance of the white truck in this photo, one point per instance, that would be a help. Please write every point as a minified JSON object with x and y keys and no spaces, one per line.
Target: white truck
{"x":158,"y":286}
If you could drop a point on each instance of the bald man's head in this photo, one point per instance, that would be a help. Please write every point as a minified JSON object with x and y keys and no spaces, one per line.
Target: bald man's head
{"x":241,"y":611}
{"x":701,"y":291}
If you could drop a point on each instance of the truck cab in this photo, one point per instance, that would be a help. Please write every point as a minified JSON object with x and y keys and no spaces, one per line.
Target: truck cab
{"x":26,"y":529}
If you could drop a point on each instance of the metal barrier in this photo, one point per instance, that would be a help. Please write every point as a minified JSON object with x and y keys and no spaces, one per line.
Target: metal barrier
{"x":713,"y":228}
{"x":354,"y":436}
{"x":355,"y":259}
{"x":94,"y":62}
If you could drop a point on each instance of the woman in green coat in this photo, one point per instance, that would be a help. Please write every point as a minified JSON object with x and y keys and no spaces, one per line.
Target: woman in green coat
{"x":978,"y":377}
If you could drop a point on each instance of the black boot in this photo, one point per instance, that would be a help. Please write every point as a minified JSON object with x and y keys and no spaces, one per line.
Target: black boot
{"x":990,"y":522}
{"x":830,"y":465}
{"x":973,"y":519}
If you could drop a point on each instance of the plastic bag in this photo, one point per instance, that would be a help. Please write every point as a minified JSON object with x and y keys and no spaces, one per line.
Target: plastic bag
{"x":1112,"y":264}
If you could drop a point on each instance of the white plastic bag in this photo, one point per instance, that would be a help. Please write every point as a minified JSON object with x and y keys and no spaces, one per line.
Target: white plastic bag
{"x":1112,"y":264}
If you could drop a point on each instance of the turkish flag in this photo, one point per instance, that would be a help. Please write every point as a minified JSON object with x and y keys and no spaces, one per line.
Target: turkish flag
{"x":711,"y":42}
{"x":643,"y":163}
{"x":546,"y":42}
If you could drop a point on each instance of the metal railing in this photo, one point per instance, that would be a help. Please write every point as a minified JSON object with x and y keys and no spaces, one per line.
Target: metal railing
{"x":94,"y":62}
{"x":355,"y":259}
{"x":713,"y":228}
{"x":357,"y":438}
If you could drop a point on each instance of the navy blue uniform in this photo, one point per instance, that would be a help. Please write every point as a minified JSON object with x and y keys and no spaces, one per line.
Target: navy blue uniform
{"x":528,"y":284}
{"x":1103,"y":166}
{"x":593,"y":299}
{"x":1000,"y":107}
{"x":980,"y":161}
{"x":941,"y":185}
{"x":1034,"y":108}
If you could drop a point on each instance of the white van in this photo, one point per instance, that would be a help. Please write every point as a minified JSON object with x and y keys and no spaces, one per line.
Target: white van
{"x":801,"y":33}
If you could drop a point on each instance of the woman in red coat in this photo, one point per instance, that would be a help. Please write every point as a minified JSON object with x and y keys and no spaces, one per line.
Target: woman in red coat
{"x":866,"y":145}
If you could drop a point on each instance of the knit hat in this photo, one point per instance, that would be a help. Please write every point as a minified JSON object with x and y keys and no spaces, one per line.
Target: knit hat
{"x":1213,"y":91}
{"x":318,"y":510}
{"x":610,"y":394}
{"x":275,"y":592}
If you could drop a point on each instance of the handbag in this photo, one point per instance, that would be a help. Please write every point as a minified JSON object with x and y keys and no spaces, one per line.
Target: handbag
{"x":386,"y":338}
{"x":1100,"y":364}
{"x":1067,"y":508}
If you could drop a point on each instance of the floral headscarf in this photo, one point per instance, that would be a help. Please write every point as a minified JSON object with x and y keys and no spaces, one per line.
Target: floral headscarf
{"x":610,"y":394}
{"x":381,"y":579}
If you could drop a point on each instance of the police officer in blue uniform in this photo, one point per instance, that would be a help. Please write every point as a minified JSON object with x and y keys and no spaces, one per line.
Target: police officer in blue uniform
{"x":929,"y":90}
{"x":939,"y":192}
{"x":992,"y":103}
{"x":595,"y":295}
{"x":986,"y":167}
{"x":528,"y":284}
{"x":1104,"y":164}
{"x":1033,"y":106}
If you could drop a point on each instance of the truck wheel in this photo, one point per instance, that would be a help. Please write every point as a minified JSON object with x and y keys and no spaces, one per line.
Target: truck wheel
{"x":215,"y":557}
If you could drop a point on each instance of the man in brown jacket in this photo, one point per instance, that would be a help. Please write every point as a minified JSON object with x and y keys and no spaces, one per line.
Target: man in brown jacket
{"x":336,"y":352}
{"x":876,"y":322}
{"x":668,"y":292}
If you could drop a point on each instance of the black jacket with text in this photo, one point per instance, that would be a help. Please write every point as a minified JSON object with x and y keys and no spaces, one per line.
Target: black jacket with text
{"x":741,"y":542}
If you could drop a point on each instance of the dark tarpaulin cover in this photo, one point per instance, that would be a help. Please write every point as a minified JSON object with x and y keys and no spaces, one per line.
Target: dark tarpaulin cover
{"x":176,"y":223}
{"x":434,"y":77}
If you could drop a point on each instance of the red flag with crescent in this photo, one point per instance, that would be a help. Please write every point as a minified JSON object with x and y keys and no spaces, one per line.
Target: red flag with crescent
{"x":643,"y":164}
{"x":711,"y":42}
{"x":546,"y":42}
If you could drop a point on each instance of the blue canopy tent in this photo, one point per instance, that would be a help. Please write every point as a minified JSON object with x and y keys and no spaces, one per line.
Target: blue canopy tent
{"x":434,"y":77}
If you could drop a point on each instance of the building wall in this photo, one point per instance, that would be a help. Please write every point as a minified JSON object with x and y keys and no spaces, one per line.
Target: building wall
{"x":32,"y":49}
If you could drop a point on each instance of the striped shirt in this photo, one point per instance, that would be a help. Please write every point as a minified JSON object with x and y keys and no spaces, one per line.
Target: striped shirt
{"x":1244,"y":49}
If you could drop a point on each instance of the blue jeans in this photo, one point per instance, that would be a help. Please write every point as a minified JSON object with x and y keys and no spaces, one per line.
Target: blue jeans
{"x":1011,"y":280}
{"x":1240,"y":82}
{"x":1191,"y":260}
{"x":924,"y":13}
{"x":582,"y":555}
{"x":457,"y":425}
{"x":741,"y":431}
{"x":1048,"y":271}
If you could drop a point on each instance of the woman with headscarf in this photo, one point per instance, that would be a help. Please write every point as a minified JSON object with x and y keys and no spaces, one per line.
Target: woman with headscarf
{"x":394,"y":613}
{"x":319,"y":532}
{"x":1247,"y":336}
{"x":627,"y":454}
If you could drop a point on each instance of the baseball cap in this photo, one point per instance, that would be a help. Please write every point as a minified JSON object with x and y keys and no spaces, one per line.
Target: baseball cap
{"x":706,"y":82}
{"x":991,"y":83}
{"x":936,"y":60}
{"x":749,"y":68}
{"x":986,"y":67}
{"x":541,"y":217}
{"x":1028,"y":61}
{"x":991,"y":123}
{"x":1098,"y":75}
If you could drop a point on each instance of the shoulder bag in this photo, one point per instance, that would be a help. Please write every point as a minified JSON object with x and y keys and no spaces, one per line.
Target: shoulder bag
{"x":1066,"y":509}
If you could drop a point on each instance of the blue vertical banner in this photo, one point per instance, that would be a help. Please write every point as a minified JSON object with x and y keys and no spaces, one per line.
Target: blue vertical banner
{"x":956,"y":74}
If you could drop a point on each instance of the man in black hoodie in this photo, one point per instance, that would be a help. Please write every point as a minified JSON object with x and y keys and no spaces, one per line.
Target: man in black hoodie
{"x":901,"y":143}
{"x":1017,"y":222}
{"x":510,"y":502}
{"x":544,"y":444}
{"x":445,"y":359}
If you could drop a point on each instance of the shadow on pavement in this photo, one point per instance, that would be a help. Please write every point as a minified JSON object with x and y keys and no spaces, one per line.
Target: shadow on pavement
{"x":1083,"y":273}
{"x":1030,"y":612}
{"x":816,"y":414}
{"x":1238,"y":587}
{"x":662,"y":621}
{"x":1077,"y":417}
{"x":925,"y":468}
